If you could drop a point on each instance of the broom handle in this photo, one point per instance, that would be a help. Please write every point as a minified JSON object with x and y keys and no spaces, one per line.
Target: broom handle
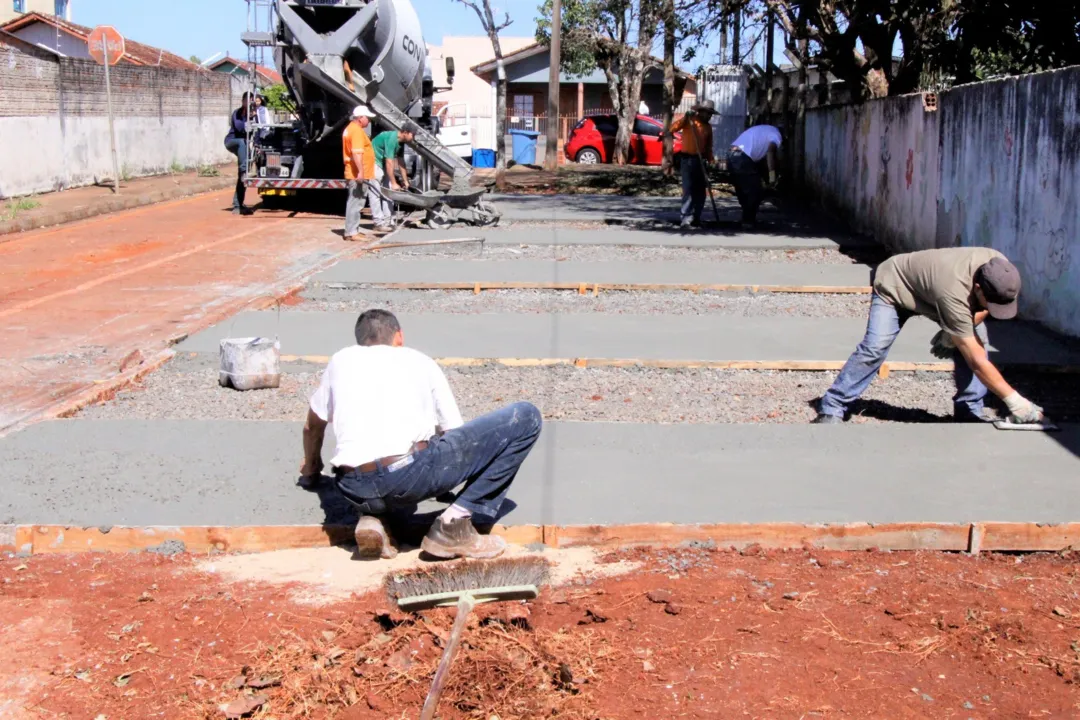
{"x":464,"y":607}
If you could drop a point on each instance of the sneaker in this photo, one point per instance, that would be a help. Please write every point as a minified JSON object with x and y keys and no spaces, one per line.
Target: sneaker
{"x":384,"y":228}
{"x":823,"y":419}
{"x":373,"y":540}
{"x":459,"y":539}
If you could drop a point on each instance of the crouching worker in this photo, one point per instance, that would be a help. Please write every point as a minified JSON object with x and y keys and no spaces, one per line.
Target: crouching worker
{"x":401,"y":440}
{"x":957,"y":288}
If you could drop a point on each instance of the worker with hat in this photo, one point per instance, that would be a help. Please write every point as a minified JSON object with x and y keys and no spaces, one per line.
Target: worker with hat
{"x":957,"y":288}
{"x":755,"y":145}
{"x":361,"y":171}
{"x":697,"y":149}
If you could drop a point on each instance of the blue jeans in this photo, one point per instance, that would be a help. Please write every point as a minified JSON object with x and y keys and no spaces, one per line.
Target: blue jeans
{"x":238,"y":147}
{"x":693,"y":188}
{"x":881,"y":330}
{"x":746,"y":179}
{"x":484,"y":453}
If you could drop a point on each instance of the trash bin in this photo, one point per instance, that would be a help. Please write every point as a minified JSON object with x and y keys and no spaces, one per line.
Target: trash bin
{"x":483,"y":158}
{"x":524,"y":151}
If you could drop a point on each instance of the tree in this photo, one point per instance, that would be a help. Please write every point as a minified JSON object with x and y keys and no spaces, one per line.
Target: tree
{"x":277,"y":97}
{"x":195,"y":59}
{"x":615,"y":36}
{"x":492,"y":28}
{"x":671,"y":23}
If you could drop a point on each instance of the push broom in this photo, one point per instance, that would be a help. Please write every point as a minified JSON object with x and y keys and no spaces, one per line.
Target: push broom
{"x":465,"y":585}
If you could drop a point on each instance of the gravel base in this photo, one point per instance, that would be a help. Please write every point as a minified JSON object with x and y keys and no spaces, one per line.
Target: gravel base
{"x":596,"y":394}
{"x":329,"y":298}
{"x":472,"y":251}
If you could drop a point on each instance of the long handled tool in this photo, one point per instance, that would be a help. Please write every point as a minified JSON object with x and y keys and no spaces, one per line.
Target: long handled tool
{"x":466,"y":585}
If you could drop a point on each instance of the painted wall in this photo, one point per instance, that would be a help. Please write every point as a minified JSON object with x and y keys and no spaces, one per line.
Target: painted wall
{"x":997,"y":165}
{"x":47,"y":7}
{"x":469,"y":52}
{"x":54,"y":121}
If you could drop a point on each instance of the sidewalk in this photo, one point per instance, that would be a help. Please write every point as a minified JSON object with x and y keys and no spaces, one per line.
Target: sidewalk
{"x":81,"y":203}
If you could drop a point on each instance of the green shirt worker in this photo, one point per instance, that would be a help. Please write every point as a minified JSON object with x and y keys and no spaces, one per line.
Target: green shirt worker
{"x":387,"y":146}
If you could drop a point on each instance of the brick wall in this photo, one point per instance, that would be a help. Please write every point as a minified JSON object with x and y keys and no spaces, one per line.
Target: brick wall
{"x":54,"y":126}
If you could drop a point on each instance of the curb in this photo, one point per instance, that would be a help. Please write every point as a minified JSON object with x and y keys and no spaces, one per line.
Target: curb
{"x":972,"y":538}
{"x":114,"y":204}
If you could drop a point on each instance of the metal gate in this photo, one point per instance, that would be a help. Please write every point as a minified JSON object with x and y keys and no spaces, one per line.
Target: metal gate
{"x":725,"y":85}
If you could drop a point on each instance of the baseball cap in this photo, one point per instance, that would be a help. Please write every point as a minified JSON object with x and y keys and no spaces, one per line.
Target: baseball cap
{"x":362,"y":111}
{"x":1000,"y":282}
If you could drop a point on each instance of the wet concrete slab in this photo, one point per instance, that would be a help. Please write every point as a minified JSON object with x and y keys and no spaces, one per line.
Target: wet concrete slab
{"x":96,"y":473}
{"x":706,"y":338}
{"x":779,"y":238}
{"x":614,"y":272}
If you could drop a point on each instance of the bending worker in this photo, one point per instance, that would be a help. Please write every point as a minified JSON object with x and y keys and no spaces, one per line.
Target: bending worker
{"x":401,"y":440}
{"x":957,"y":288}
{"x":387,"y":146}
{"x":761,"y":142}
{"x":697,"y":141}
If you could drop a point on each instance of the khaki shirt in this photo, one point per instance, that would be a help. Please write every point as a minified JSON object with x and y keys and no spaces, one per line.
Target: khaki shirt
{"x":938,"y":284}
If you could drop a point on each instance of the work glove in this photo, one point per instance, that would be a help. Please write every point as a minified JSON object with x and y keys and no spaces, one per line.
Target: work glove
{"x":942,"y":345}
{"x":1022,"y":410}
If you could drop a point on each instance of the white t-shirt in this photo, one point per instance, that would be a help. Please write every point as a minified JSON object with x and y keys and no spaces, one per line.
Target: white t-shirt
{"x":381,"y":400}
{"x":756,"y":140}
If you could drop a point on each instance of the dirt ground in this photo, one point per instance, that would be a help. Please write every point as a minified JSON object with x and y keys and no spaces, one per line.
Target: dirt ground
{"x":695,"y":632}
{"x":631,"y":180}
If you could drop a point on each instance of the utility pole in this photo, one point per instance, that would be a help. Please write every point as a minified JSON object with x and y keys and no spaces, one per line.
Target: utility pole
{"x":551,"y":153}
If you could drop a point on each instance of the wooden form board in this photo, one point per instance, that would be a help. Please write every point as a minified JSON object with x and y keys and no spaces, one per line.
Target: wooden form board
{"x":955,"y":537}
{"x":596,"y":288}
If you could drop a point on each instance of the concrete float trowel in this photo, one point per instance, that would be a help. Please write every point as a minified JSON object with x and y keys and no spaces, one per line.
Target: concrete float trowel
{"x":1044,"y":425}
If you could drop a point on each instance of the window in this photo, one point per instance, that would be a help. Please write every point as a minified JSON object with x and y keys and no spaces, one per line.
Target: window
{"x":61,"y":7}
{"x":522,"y":106}
{"x":647,"y":129}
{"x":20,"y":6}
{"x":606,"y":124}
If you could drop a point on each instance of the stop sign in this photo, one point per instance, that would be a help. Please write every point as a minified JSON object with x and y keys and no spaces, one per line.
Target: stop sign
{"x":106,"y":45}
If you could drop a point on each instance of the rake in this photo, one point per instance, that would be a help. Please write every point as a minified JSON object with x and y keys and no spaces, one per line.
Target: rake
{"x":466,"y":585}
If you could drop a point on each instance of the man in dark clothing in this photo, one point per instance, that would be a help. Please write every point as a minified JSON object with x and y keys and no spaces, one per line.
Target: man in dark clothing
{"x":757,"y":144}
{"x":236,"y":143}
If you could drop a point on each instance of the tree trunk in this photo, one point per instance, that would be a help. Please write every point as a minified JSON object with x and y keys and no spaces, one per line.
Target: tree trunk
{"x":500,"y":125}
{"x":668,"y":163}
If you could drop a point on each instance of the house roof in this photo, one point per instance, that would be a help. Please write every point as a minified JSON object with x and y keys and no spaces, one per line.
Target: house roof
{"x":538,"y":49}
{"x":268,"y":74}
{"x":135,"y":53}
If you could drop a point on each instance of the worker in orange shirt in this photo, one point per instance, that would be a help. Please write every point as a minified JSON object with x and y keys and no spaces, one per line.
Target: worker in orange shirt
{"x":360,"y":169}
{"x":697,"y":149}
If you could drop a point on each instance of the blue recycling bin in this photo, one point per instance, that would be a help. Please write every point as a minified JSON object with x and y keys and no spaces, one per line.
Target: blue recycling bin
{"x":483,"y":158}
{"x":524,"y":150}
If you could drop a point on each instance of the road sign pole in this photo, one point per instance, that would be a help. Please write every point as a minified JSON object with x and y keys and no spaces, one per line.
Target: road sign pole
{"x":112,"y":130}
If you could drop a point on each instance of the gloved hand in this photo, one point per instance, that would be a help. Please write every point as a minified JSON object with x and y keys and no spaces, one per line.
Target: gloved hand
{"x":772,"y":179}
{"x":1022,"y":410}
{"x":942,"y":345}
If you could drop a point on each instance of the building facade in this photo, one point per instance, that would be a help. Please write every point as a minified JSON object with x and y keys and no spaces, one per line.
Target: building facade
{"x":10,"y":9}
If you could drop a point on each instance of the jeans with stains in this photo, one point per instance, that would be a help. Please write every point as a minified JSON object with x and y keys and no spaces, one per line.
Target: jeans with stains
{"x":858,"y":372}
{"x":484,"y":454}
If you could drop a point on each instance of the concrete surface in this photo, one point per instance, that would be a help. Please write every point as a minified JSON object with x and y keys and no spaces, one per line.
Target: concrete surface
{"x":101,"y":473}
{"x":655,"y":337}
{"x":764,"y":239}
{"x":996,"y":165}
{"x":389,"y":270}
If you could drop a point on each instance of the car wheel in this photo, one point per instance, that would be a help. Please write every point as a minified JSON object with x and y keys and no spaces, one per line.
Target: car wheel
{"x":588,"y":156}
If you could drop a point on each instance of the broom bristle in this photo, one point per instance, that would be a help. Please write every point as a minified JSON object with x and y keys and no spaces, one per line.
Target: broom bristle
{"x":467,"y":575}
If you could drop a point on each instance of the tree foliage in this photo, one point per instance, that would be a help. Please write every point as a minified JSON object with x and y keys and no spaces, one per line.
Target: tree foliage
{"x":616,"y":37}
{"x":939,"y":41}
{"x":277,"y":97}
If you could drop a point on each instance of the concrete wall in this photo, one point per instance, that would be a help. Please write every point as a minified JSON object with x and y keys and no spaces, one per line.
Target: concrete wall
{"x":997,"y":165}
{"x":54,"y":122}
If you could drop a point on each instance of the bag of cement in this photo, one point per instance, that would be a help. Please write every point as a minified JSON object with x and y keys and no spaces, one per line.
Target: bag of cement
{"x":250,"y":363}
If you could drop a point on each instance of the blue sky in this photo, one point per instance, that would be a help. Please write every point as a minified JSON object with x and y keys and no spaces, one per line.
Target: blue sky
{"x":205,"y":27}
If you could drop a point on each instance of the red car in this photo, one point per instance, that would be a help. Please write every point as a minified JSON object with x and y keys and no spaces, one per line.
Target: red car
{"x":593,"y":140}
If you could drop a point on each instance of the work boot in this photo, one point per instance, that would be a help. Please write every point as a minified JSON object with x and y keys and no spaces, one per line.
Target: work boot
{"x":449,"y":539}
{"x":823,"y":419}
{"x":373,"y":540}
{"x":384,"y":229}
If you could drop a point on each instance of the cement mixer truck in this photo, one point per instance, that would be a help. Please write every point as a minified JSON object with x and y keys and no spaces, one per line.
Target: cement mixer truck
{"x":334,"y":55}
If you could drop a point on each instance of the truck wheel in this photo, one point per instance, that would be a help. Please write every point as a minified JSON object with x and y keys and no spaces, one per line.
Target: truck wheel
{"x":588,"y":156}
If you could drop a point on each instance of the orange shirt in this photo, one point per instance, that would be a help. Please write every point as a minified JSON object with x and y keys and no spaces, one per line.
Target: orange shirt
{"x":354,"y":138}
{"x":693,"y":129}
